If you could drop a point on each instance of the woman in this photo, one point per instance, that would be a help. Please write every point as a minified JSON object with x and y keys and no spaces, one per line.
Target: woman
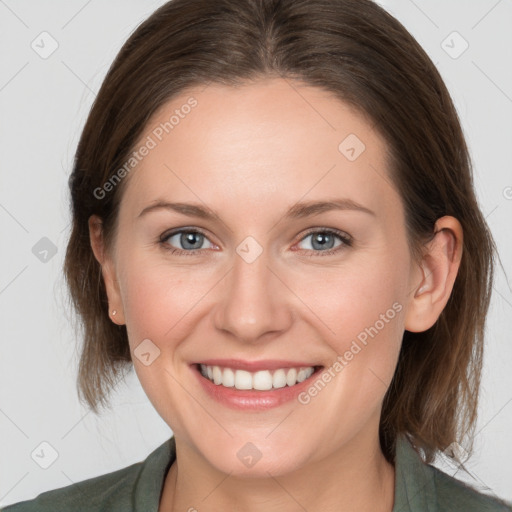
{"x":320,"y":339}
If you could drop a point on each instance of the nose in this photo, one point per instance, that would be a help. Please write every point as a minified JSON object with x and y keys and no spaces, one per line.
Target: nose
{"x":254,"y":302}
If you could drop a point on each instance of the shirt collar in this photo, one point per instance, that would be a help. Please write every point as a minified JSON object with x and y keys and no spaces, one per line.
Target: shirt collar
{"x":150,"y":482}
{"x":414,"y":480}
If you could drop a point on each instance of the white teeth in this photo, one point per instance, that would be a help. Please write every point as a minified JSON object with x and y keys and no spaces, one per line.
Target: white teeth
{"x":228,"y":378}
{"x":279,"y":379}
{"x":217,"y":375}
{"x":302,"y":375}
{"x":262,"y":380}
{"x":243,"y":379}
{"x":291,"y":377}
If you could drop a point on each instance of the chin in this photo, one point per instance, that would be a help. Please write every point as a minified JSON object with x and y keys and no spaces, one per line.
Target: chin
{"x":246,"y":460}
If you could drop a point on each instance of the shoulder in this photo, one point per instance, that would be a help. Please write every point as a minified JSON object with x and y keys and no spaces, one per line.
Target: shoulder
{"x":134,"y":488}
{"x":421,"y":486}
{"x":106,"y":492}
{"x":453,"y":494}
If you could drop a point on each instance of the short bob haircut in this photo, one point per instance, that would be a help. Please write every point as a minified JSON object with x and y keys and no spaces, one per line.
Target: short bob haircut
{"x":359,"y":52}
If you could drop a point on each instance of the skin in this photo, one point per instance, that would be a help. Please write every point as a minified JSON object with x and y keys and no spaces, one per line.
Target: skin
{"x":249,"y":154}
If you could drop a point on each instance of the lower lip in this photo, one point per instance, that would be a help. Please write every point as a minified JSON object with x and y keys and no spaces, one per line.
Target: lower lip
{"x":253,"y":399}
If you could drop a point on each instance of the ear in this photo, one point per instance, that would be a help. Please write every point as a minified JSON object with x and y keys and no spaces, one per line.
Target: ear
{"x":436,"y":274}
{"x":107,"y":269}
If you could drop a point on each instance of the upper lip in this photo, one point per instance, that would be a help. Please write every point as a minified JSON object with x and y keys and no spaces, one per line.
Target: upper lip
{"x":254,"y":366}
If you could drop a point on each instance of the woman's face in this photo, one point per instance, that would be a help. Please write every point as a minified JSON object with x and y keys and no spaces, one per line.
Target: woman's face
{"x":262,"y":280}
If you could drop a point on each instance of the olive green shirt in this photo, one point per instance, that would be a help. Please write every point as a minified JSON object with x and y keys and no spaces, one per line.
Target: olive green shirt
{"x":137,"y":488}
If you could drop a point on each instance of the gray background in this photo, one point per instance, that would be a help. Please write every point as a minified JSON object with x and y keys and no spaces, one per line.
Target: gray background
{"x":44,"y":103}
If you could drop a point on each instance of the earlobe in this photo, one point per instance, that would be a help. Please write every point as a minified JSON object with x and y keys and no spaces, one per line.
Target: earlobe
{"x":438,"y":270}
{"x":107,"y":270}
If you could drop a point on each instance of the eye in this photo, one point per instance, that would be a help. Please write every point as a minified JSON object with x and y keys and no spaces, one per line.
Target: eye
{"x":323,"y":241}
{"x":189,"y":241}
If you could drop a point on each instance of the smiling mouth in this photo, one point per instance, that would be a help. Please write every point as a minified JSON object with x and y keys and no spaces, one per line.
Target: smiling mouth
{"x":262,"y":380}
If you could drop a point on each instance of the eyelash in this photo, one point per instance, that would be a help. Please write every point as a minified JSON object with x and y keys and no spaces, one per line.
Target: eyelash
{"x":345,"y":239}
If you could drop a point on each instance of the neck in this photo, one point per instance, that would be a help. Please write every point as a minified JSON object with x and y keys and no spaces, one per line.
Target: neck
{"x":355,"y":477}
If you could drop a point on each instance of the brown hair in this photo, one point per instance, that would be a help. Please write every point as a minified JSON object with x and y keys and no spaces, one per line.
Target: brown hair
{"x":359,"y":52}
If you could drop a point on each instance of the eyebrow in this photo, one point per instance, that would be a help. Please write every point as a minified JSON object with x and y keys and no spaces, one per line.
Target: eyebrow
{"x":297,"y":211}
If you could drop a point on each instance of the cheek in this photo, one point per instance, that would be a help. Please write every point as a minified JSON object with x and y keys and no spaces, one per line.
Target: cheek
{"x":161,"y":304}
{"x":349,"y":299}
{"x":360,"y":313}
{"x":158,"y":298}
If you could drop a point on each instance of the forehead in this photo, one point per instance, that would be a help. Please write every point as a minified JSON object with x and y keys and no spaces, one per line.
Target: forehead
{"x":237,"y":146}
